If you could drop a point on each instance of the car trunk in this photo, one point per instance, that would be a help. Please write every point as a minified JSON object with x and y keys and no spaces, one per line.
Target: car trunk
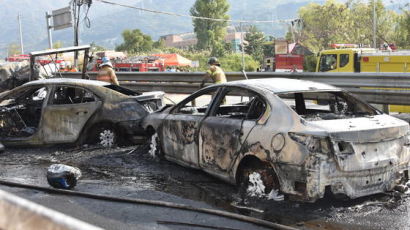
{"x":367,"y":142}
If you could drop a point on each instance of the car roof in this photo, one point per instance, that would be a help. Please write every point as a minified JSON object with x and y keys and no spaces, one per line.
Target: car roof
{"x":68,"y":81}
{"x":283,"y":85}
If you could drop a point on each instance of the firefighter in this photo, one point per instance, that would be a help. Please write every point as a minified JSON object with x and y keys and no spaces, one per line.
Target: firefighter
{"x":106,"y":72}
{"x":215,"y":72}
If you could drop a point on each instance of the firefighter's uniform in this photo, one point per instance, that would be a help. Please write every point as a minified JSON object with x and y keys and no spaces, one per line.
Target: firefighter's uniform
{"x":217,"y":74}
{"x":107,"y":74}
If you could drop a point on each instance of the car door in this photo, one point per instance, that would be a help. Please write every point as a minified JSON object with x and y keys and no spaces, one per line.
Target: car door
{"x":180,"y":127}
{"x":224,"y":132}
{"x":68,"y":110}
{"x":20,"y":115}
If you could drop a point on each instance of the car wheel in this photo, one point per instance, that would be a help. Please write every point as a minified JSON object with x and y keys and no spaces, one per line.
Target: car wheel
{"x":106,"y":136}
{"x":155,"y":146}
{"x":258,"y":181}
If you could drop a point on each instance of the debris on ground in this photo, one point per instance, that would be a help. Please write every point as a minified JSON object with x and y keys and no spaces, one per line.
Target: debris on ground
{"x":63,"y":176}
{"x":153,"y":145}
{"x":256,"y":187}
{"x":401,"y":188}
{"x":274,"y":195}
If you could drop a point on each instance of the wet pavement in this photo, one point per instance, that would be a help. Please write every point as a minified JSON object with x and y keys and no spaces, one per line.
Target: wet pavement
{"x":131,"y":173}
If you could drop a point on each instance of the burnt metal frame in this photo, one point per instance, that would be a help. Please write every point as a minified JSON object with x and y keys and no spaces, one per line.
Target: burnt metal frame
{"x":85,"y":48}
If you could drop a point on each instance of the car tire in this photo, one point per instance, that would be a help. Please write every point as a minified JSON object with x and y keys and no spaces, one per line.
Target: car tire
{"x":154,"y":144}
{"x":106,"y":136}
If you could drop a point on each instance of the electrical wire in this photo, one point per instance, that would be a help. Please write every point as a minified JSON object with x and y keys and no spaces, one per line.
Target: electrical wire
{"x":151,"y":202}
{"x":196,"y":17}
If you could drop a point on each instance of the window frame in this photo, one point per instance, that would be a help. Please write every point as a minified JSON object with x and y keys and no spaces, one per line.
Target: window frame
{"x":226,"y":90}
{"x":194,"y":96}
{"x":340,"y":60}
{"x":55,"y":87}
{"x":322,"y":57}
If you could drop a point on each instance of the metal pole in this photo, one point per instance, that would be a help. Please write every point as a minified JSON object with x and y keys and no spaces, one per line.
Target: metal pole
{"x":243,"y":48}
{"x":50,"y":38}
{"x":21,"y":34}
{"x":374,"y":24}
{"x":76,"y":16}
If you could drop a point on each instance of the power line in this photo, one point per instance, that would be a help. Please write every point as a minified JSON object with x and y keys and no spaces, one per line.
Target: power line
{"x":196,"y":17}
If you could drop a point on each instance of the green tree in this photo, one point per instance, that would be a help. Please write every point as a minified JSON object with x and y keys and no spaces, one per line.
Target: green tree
{"x":135,"y":41}
{"x":13,"y":49}
{"x":255,"y":40}
{"x":403,"y":29}
{"x":350,"y":22}
{"x":96,"y":48}
{"x":58,"y":44}
{"x":160,"y":44}
{"x":210,"y":34}
{"x":269,"y":48}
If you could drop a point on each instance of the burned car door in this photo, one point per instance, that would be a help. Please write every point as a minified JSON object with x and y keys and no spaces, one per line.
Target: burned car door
{"x":224,"y":132}
{"x":20,"y":114}
{"x":180,"y":127}
{"x":68,"y":110}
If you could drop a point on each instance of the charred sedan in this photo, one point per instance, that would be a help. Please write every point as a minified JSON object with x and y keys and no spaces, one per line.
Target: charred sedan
{"x":73,"y":111}
{"x":301,"y":137}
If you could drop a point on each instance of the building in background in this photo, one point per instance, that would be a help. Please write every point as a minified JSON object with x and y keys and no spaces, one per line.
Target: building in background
{"x":187,"y":40}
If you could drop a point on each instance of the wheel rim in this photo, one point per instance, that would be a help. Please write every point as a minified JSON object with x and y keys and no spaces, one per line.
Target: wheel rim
{"x":107,"y":138}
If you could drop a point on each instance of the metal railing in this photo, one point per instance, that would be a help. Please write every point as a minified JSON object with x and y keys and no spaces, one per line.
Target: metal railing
{"x":378,"y":88}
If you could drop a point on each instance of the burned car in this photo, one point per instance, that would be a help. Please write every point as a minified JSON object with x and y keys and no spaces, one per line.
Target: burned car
{"x":302,"y":138}
{"x":73,"y":111}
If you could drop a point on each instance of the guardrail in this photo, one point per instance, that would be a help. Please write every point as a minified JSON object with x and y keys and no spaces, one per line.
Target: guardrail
{"x":378,"y":88}
{"x":19,"y":213}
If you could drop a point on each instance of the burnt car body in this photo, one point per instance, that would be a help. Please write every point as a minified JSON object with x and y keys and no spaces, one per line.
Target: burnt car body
{"x":73,"y":111}
{"x":304,"y":138}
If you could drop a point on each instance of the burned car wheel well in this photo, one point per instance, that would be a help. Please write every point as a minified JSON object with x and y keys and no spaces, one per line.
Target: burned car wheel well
{"x":253,"y":164}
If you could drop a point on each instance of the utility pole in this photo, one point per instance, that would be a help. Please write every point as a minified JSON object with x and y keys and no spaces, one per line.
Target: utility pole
{"x":76,"y":13}
{"x":50,"y":38}
{"x":374,"y":24}
{"x":21,"y":34}
{"x":242,"y":48}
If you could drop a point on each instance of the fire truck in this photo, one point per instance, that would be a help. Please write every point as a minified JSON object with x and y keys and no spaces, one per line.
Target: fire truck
{"x":136,"y":64}
{"x":289,"y":62}
{"x":18,"y":58}
{"x":139,"y":64}
{"x":352,"y":58}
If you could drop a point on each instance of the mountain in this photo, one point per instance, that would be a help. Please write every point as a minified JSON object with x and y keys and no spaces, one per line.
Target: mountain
{"x":108,"y":21}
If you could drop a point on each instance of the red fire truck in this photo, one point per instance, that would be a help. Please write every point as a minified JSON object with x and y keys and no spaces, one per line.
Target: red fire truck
{"x":136,"y":64}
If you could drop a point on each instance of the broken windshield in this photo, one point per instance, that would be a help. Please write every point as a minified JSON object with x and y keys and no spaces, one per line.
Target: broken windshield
{"x":327,"y":105}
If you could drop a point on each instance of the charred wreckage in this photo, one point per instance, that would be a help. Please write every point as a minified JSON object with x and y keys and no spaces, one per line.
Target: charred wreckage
{"x":303,"y":138}
{"x":61,"y":110}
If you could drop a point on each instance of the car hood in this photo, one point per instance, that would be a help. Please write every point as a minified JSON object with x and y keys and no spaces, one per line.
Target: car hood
{"x":363,"y":129}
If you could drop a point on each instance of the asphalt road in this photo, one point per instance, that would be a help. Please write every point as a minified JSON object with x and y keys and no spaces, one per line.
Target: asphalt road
{"x":130,"y":172}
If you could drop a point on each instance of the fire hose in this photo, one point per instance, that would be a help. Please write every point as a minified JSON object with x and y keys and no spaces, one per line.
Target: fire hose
{"x":152,"y":203}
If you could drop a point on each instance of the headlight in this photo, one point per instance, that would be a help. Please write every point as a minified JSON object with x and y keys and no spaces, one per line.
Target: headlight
{"x":313,"y":143}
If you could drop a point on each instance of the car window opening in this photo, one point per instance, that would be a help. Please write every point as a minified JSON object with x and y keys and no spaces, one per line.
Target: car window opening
{"x":198,"y":105}
{"x":20,"y":114}
{"x":241,"y":104}
{"x":64,"y":95}
{"x":327,"y":105}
